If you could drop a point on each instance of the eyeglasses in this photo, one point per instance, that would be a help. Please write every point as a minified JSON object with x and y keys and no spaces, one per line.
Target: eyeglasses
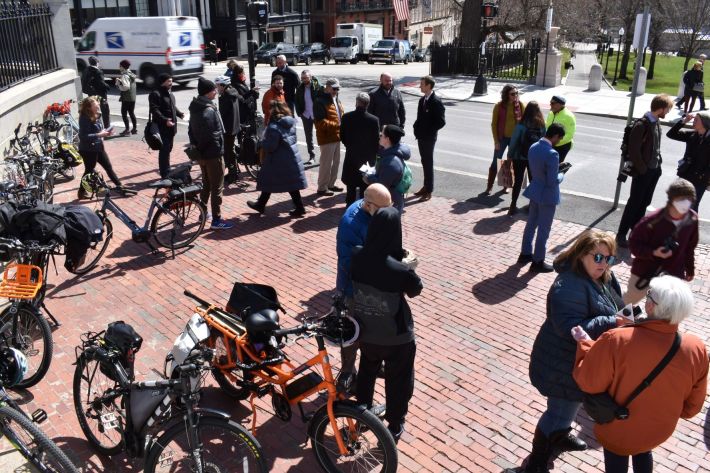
{"x":650,"y":297}
{"x":598,"y":258}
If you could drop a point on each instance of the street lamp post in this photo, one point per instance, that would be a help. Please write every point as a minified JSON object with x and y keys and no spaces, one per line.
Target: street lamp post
{"x":608,"y":53}
{"x":618,"y":53}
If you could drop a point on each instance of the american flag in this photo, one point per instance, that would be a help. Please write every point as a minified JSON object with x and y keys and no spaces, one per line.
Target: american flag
{"x":401,"y":9}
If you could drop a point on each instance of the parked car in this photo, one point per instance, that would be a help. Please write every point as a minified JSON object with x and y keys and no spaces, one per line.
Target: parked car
{"x":389,"y":51}
{"x":267,"y":52}
{"x":309,"y":53}
{"x":422,"y":54}
{"x":408,"y":51}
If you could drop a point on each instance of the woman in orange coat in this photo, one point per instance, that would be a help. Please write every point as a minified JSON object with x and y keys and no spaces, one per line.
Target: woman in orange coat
{"x":506,"y":114}
{"x":621,"y":358}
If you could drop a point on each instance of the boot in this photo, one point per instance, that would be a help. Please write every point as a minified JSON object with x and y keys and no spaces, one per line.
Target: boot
{"x":491,"y":178}
{"x":563,"y":441}
{"x":541,"y":451}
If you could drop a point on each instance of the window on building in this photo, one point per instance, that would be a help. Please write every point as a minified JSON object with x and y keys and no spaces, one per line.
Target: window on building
{"x":319,"y":5}
{"x":221,"y":8}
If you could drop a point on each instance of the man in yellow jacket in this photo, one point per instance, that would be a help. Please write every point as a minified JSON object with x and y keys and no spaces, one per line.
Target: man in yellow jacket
{"x":560,"y":114}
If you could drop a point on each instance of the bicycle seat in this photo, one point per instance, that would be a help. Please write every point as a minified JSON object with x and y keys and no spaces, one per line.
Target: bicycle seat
{"x":160,"y":184}
{"x":265,"y":320}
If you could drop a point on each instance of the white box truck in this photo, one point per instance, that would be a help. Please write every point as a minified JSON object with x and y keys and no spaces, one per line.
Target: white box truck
{"x":153,"y":45}
{"x":352,"y":41}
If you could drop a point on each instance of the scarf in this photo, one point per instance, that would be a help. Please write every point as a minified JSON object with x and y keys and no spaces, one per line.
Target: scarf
{"x":518,"y":111}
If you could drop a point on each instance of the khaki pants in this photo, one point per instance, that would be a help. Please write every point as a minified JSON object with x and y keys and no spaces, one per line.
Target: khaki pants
{"x":212,"y":184}
{"x":329,"y":164}
{"x":633,"y":295}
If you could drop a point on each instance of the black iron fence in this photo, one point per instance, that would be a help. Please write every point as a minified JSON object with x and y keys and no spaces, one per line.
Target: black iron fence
{"x":513,"y":62}
{"x":27,"y":43}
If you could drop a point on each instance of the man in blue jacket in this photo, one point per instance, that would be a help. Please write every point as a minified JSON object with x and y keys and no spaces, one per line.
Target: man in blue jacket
{"x":544,"y":195}
{"x":352,"y":232}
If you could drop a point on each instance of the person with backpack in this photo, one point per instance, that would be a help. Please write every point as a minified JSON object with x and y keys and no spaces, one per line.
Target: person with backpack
{"x":390,"y":167}
{"x":93,"y":84}
{"x":644,"y":152}
{"x":164,"y":112}
{"x":229,"y":112}
{"x":693,"y":80}
{"x":528,"y":132}
{"x":127,"y":85}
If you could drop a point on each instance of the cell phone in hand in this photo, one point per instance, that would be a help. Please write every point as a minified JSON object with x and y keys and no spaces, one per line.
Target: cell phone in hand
{"x":110,"y":129}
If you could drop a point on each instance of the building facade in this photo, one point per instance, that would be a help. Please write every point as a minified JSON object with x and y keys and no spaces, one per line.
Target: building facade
{"x":222,"y":20}
{"x":433,"y":21}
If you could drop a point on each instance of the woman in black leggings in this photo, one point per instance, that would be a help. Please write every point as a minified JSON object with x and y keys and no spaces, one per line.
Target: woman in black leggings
{"x":526,"y":133}
{"x":91,"y":143}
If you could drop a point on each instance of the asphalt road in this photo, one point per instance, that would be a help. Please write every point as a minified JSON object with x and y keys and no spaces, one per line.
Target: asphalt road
{"x":465,"y":146}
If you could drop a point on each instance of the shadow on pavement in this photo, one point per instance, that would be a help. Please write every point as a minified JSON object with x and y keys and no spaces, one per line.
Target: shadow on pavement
{"x":494,"y":225}
{"x":503,"y":286}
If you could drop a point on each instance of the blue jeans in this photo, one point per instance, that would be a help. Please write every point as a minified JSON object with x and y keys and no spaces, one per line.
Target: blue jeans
{"x":539,"y":218}
{"x":559,"y":415}
{"x":613,"y":463}
{"x":500,"y":153}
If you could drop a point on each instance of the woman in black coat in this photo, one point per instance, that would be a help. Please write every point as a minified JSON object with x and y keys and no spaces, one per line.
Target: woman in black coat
{"x":695,"y":165}
{"x":693,"y":77}
{"x":380,"y":282}
{"x":360,"y":133}
{"x":282,"y":167}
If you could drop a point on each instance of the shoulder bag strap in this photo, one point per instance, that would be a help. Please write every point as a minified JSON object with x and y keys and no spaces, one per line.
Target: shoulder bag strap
{"x":656,"y":371}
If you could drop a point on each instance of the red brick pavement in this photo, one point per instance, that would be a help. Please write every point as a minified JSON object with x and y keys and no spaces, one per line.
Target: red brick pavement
{"x":473,"y":408}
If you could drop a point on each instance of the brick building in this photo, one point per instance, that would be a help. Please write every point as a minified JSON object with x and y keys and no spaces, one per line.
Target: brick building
{"x":325,"y":14}
{"x":433,"y":21}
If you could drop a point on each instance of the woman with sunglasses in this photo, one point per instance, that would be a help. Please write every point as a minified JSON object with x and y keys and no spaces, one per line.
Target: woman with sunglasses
{"x":506,"y":114}
{"x":587,"y":294}
{"x":619,"y":360}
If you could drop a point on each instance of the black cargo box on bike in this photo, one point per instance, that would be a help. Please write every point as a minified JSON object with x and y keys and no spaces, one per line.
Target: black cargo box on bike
{"x":247,"y":298}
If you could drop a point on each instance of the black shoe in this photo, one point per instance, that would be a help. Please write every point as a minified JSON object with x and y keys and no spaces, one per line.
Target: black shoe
{"x":512,"y":210}
{"x":134,"y":132}
{"x":622,"y":242}
{"x":379,"y":410}
{"x":125,"y":132}
{"x":328,"y":192}
{"x":541,"y":267}
{"x":396,"y":431}
{"x":563,"y":441}
{"x":524,"y":259}
{"x":254,"y":205}
{"x":335,"y":189}
{"x":297,"y":212}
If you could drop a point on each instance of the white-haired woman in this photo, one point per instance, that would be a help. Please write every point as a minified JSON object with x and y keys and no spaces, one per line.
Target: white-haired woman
{"x":620,"y":359}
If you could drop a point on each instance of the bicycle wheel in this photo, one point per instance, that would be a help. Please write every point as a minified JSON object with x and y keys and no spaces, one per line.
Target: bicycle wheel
{"x":231,"y":389}
{"x":96,"y":250}
{"x":370,"y":445}
{"x":98,"y":407}
{"x":253,"y":169}
{"x":32,"y":443}
{"x":33,"y":338}
{"x":181,"y":224}
{"x":226,"y":448}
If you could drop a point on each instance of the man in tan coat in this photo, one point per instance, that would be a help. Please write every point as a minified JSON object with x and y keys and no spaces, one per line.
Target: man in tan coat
{"x":328,"y":112}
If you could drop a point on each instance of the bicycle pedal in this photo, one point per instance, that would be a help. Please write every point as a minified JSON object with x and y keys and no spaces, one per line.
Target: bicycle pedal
{"x":39,"y":416}
{"x":109,"y":421}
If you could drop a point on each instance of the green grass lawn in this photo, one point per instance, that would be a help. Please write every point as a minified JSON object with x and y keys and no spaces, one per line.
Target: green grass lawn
{"x":666,"y":73}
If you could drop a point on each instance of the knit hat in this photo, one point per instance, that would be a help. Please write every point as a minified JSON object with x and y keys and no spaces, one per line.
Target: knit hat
{"x":93,"y":61}
{"x":558,"y":99}
{"x":393,"y":132}
{"x":163,"y":77}
{"x":333,"y":82}
{"x":680,"y":188}
{"x":125,"y":64}
{"x":205,"y":86}
{"x":704,"y":118}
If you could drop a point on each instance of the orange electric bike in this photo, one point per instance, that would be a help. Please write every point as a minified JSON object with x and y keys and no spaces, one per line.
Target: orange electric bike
{"x":250,"y":362}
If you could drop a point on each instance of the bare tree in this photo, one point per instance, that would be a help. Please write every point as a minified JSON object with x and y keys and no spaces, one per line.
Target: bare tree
{"x":516,"y":19}
{"x":687,"y":19}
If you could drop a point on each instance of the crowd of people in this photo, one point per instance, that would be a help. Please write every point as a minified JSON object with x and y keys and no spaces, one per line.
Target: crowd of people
{"x":588,"y":343}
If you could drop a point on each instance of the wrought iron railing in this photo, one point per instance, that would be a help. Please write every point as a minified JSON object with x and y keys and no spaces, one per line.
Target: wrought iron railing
{"x":513,"y":62}
{"x":27,"y":42}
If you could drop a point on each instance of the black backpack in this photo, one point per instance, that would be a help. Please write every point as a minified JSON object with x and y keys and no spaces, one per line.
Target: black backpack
{"x":531,"y":136}
{"x":248,"y":150}
{"x":42,"y":223}
{"x":628,"y":165}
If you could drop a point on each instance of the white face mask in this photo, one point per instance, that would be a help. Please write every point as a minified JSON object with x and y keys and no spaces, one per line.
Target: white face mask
{"x":682,"y":206}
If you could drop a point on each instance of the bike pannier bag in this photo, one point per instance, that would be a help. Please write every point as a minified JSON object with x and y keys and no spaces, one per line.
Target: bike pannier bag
{"x":247,"y":298}
{"x":248,"y":151}
{"x":42,"y":223}
{"x":151,"y":135}
{"x":84,"y":228}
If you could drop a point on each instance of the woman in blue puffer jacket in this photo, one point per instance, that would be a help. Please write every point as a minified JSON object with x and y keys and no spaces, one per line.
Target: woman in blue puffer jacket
{"x":389,"y":167}
{"x":585,"y":293}
{"x":282,"y":167}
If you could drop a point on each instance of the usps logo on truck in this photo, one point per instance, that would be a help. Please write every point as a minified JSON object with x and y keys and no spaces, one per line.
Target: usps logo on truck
{"x":185,"y":39}
{"x":114,"y":40}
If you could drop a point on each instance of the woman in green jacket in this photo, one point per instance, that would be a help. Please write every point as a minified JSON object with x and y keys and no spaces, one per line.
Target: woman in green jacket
{"x":506,"y":114}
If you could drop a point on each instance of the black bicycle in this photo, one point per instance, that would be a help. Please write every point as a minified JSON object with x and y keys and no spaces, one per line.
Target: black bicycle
{"x":158,"y":420}
{"x":19,"y":429}
{"x":175,"y":219}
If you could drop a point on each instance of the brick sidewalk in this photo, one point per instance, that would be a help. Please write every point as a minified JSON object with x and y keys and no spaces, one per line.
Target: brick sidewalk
{"x":473,"y":408}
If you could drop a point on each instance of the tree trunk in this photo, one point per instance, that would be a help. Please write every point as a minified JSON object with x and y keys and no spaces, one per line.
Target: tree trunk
{"x":651,"y":65}
{"x":625,"y":58}
{"x":470,"y":30}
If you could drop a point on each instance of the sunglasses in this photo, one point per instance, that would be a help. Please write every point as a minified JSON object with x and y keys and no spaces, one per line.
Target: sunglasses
{"x":598,"y":258}
{"x":650,"y":297}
